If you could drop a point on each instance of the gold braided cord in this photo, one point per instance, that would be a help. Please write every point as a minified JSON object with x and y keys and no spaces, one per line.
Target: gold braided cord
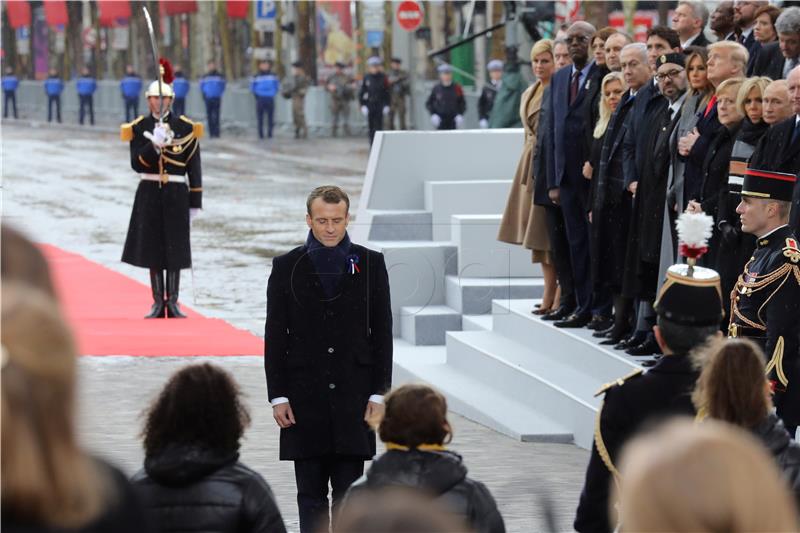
{"x":777,"y":363}
{"x":602,"y":451}
{"x":760,"y":283}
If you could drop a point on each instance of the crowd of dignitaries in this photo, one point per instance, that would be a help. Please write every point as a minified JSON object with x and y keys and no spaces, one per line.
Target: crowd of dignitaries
{"x":620,"y":143}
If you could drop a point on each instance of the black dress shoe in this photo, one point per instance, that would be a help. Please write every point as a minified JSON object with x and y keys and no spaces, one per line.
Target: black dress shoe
{"x":649,"y":363}
{"x":573,"y":321}
{"x":648,"y":347}
{"x":603,"y":333}
{"x":635,"y":339}
{"x":559,"y":314}
{"x":600,"y":322}
{"x":615,"y":337}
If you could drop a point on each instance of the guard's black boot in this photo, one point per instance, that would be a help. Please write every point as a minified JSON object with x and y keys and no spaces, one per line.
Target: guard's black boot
{"x":173,"y":288}
{"x":157,"y":284}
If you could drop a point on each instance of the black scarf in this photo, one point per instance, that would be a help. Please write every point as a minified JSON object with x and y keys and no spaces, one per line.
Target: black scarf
{"x":329,"y":262}
{"x":751,"y":133}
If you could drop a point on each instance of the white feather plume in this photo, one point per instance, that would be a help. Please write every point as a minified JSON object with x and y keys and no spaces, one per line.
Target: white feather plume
{"x":694,"y":229}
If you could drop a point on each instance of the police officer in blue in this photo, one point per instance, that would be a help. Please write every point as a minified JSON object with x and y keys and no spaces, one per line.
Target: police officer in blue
{"x":131,"y":86}
{"x":265,"y":85}
{"x":180,"y":85}
{"x":212,"y":85}
{"x":85,"y":86}
{"x":10,"y":84}
{"x":53,"y":86}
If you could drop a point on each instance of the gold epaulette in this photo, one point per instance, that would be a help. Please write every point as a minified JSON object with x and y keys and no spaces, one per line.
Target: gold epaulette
{"x":791,"y":250}
{"x":618,"y":381}
{"x":197,"y":127}
{"x":126,"y":130}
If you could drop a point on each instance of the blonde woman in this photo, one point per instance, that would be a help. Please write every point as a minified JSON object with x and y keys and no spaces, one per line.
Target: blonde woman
{"x":686,"y":478}
{"x":50,"y":484}
{"x":523,"y":221}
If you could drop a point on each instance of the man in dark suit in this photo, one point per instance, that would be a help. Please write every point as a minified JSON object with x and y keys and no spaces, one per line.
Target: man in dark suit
{"x":573,"y":92}
{"x":689,"y":311}
{"x":689,"y":19}
{"x":327,"y":354}
{"x":776,"y":60}
{"x":779,"y":149}
{"x":744,"y":17}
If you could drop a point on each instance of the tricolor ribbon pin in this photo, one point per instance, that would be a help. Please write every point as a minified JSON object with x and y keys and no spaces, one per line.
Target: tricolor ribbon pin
{"x":353,"y":261}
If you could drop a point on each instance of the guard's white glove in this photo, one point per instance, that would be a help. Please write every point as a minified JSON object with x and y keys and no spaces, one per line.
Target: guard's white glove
{"x":386,"y":110}
{"x":364,"y":110}
{"x":459,"y":121}
{"x":436,"y":120}
{"x":484,"y":123}
{"x":159,"y":136}
{"x":193,"y":212}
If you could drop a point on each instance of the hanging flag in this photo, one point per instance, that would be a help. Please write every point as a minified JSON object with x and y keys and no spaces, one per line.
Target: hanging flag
{"x":109,"y":11}
{"x":177,"y":7}
{"x":55,"y":13}
{"x":238,"y":9}
{"x":19,"y":14}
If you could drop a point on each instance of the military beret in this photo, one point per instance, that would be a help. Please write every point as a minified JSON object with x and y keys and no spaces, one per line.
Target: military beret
{"x":690,"y":296}
{"x":674,"y":58}
{"x":495,"y":64}
{"x":374,"y":61}
{"x":444,"y":68}
{"x":769,"y":185}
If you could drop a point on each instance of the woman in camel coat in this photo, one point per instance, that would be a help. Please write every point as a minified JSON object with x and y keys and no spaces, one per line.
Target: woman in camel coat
{"x":524,"y":222}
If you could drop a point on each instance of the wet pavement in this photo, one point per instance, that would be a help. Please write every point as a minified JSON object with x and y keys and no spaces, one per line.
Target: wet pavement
{"x":74,"y":188}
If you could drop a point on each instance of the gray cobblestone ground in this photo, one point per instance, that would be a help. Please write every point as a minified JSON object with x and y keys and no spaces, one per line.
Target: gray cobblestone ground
{"x":73,"y":188}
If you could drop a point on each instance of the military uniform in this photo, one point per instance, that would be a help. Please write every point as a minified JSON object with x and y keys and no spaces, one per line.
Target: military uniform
{"x":641,"y":398}
{"x":765,"y":303}
{"x":295,"y":88}
{"x":399,"y":89}
{"x":341,"y":89}
{"x":171,"y":184}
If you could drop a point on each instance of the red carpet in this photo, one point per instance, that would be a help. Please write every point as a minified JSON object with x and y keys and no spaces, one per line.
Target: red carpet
{"x":105,"y":309}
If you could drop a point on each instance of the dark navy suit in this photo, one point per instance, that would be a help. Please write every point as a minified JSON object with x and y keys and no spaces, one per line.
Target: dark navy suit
{"x":567,"y":149}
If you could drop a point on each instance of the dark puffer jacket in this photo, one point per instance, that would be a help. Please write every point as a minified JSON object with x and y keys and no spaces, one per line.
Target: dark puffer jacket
{"x":191,"y":489}
{"x":785,"y":450}
{"x":442,"y":474}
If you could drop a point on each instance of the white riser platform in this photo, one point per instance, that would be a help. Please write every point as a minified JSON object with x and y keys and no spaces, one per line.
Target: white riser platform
{"x":443,"y":199}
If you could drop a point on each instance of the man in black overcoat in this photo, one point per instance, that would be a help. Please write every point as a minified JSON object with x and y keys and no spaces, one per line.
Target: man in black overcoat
{"x":167,"y":157}
{"x":689,"y":309}
{"x":327,"y":354}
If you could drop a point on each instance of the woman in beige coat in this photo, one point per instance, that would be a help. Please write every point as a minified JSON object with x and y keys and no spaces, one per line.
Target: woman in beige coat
{"x":523,"y":221}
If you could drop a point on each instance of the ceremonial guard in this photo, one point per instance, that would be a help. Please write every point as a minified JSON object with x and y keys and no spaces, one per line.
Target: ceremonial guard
{"x":340,"y":85}
{"x":446,"y":103}
{"x":689,"y":309}
{"x":765,"y":303}
{"x":399,"y":88}
{"x":166,"y":153}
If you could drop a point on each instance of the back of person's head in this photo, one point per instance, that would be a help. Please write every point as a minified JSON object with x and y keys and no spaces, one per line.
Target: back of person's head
{"x":46,"y":478}
{"x":415,"y":414}
{"x":732,"y":386}
{"x":711,"y":477}
{"x":395,"y":510}
{"x":22,"y":261}
{"x":201,"y":406}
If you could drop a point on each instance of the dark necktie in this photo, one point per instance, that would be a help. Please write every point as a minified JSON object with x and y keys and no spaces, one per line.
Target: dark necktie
{"x":573,"y":88}
{"x":795,"y":133}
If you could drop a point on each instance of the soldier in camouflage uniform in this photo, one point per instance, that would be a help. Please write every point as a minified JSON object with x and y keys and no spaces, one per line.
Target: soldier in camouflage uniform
{"x":295,"y":87}
{"x":340,"y":85}
{"x":399,"y":88}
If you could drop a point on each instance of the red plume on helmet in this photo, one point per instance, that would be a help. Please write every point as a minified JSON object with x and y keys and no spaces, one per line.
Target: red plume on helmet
{"x":167,"y":74}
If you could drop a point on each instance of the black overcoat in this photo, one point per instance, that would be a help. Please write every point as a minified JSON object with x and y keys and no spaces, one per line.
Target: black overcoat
{"x":775,"y":152}
{"x":328,"y":354}
{"x":158,"y":232}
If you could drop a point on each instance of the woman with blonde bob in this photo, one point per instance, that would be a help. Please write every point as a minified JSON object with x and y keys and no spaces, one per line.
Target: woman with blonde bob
{"x":688,"y":478}
{"x":524,"y":222}
{"x":733,"y":388}
{"x":416,"y":431}
{"x":49,"y":483}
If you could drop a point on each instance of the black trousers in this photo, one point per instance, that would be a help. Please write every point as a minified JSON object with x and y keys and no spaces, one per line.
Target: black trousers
{"x":212,"y":115}
{"x":12,"y":97}
{"x":53,"y":100}
{"x":574,"y":192}
{"x":313,"y":476}
{"x":131,"y":108}
{"x":179,"y":106}
{"x":559,"y":249}
{"x":265,"y":104}
{"x":374,"y":121}
{"x":86,"y":103}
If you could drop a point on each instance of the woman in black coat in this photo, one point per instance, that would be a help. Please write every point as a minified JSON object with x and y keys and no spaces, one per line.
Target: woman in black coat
{"x":714,"y":184}
{"x":415,"y":430}
{"x":733,"y":388}
{"x":192,"y":479}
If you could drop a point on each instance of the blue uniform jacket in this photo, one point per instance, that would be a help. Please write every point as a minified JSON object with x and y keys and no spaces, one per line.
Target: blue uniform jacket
{"x":10,"y":83}
{"x":86,"y":86}
{"x":212,"y":85}
{"x":265,"y":85}
{"x":53,"y":86}
{"x":130,"y":86}
{"x":181,"y":87}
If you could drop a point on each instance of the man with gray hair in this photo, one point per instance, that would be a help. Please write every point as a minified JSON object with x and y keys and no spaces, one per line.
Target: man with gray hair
{"x":689,"y":20}
{"x":775,"y":60}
